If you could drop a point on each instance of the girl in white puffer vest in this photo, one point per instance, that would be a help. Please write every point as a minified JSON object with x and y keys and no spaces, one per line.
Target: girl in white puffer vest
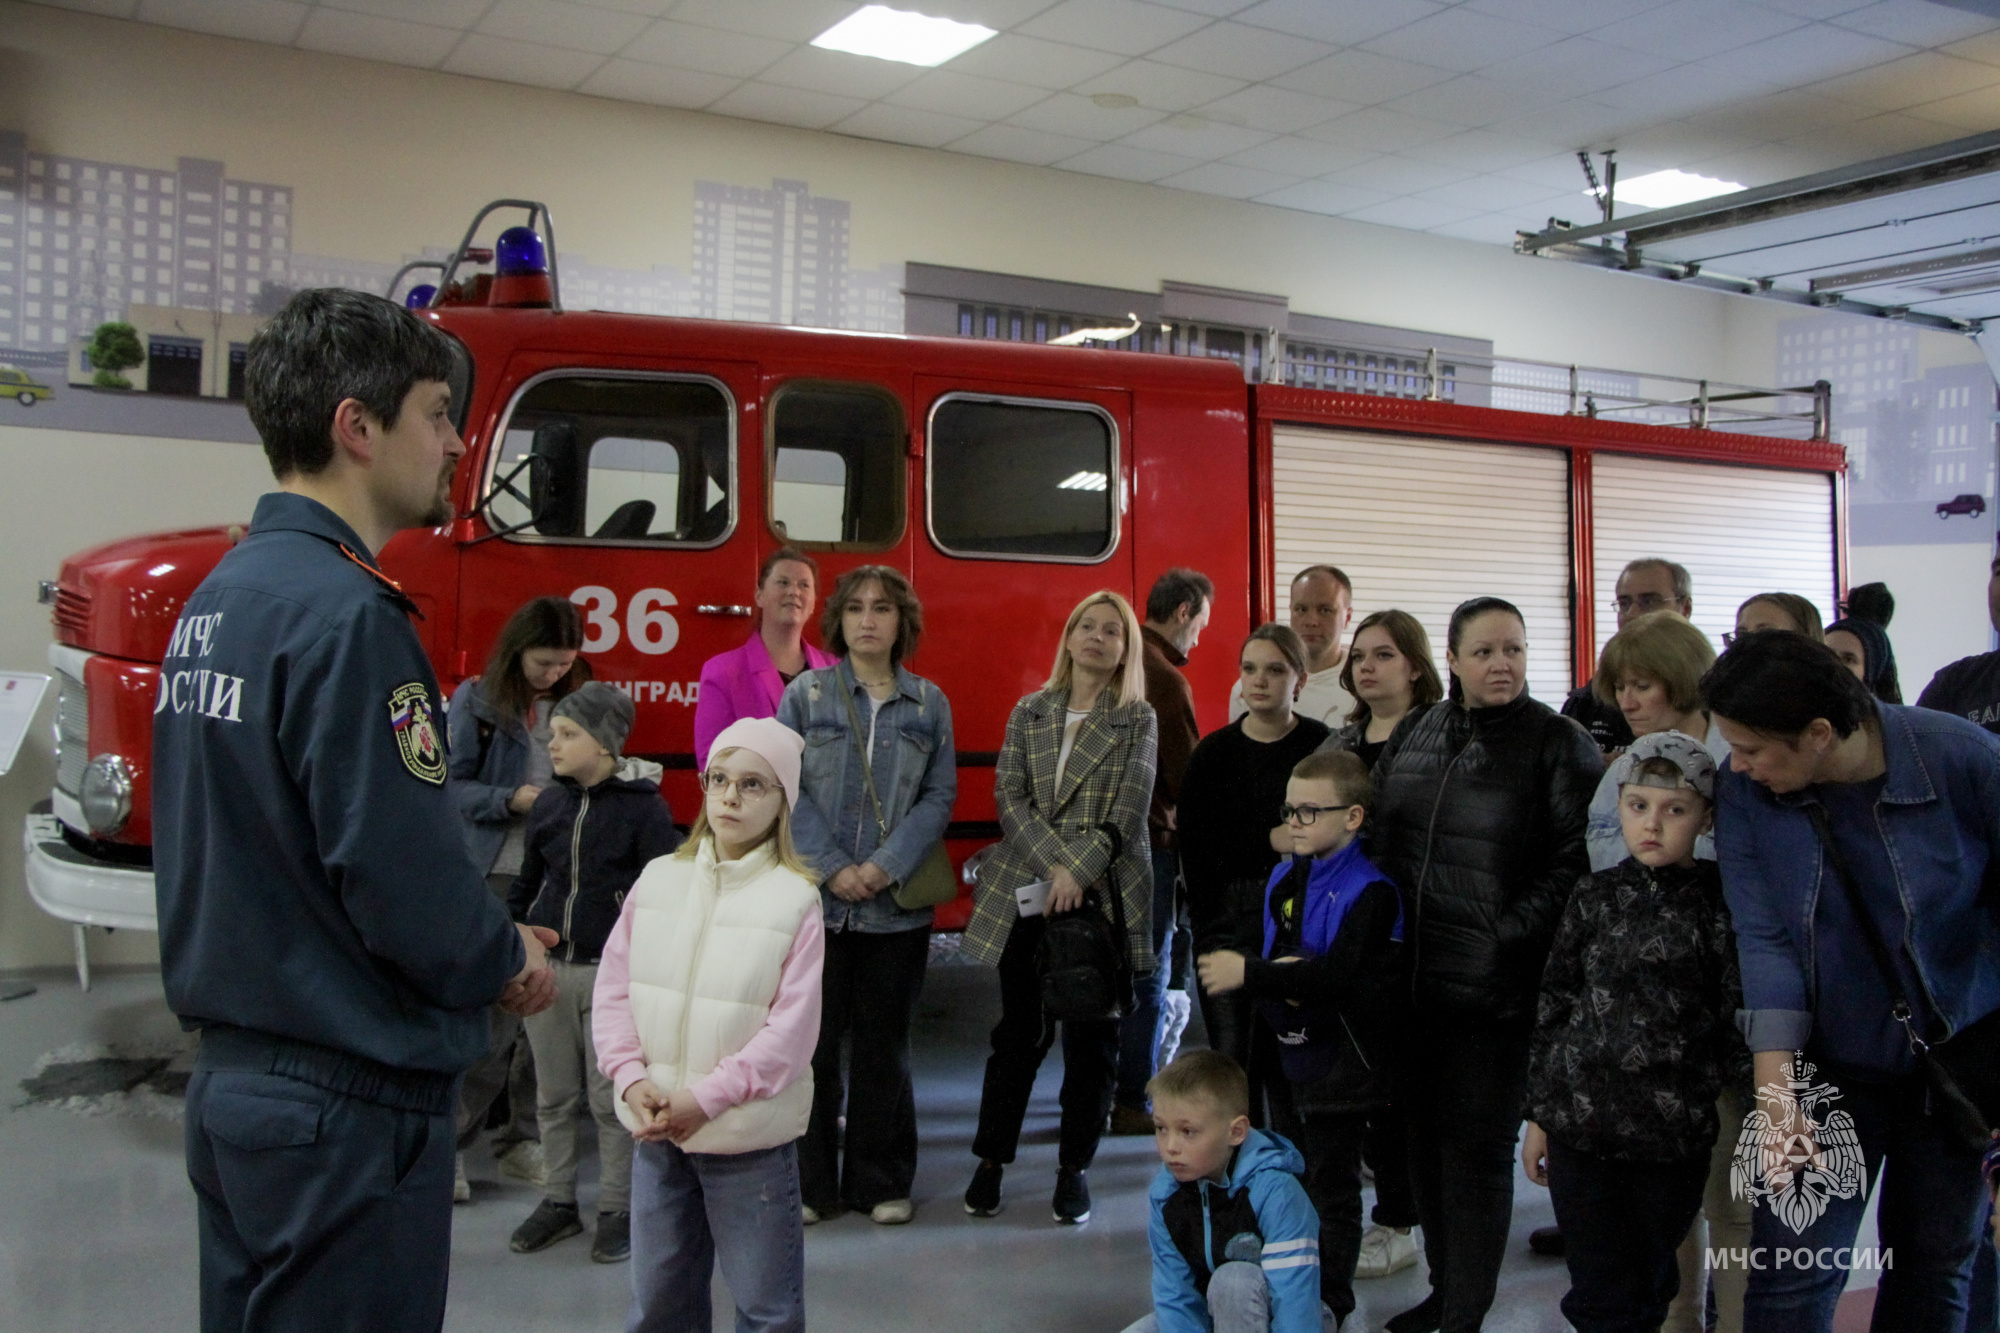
{"x":706,"y":1014}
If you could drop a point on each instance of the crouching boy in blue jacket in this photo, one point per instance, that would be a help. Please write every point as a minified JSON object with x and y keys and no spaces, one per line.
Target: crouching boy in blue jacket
{"x":1235,"y":1241}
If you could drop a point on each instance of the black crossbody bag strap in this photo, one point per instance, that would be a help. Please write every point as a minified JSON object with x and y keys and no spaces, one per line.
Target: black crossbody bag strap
{"x":1900,"y":1009}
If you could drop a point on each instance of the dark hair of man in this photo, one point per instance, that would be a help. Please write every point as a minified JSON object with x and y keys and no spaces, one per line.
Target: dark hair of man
{"x":1776,"y":683}
{"x":326,"y":345}
{"x":1872,"y":602}
{"x":1683,"y":582}
{"x":1208,"y":1076}
{"x":1344,"y":769}
{"x":545,"y":622}
{"x":780,"y":556}
{"x":1331,"y":571}
{"x":1464,"y":614}
{"x":1175,"y":589}
{"x":1282,"y":637}
{"x":1407,"y":633}
{"x":909,"y":611}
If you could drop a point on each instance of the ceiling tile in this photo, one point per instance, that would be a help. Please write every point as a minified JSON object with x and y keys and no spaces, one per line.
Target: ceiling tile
{"x":1081,"y":118}
{"x":635,"y":81}
{"x":1578,"y":123}
{"x":1967,"y":112}
{"x":901,"y":124}
{"x":1192,"y":136}
{"x":553,"y":23}
{"x":1806,"y":54}
{"x":958,"y":94}
{"x":1481,"y":150}
{"x":1817,"y":9}
{"x":438,"y":13}
{"x":1242,"y":52}
{"x":1580,"y":66}
{"x":1985,"y":49}
{"x":1018,"y":144}
{"x":1779,"y":115}
{"x":840,"y":73}
{"x":1924,"y":77}
{"x":792,"y":21}
{"x":253,"y":20}
{"x":1683,"y":92}
{"x":786,"y":106}
{"x":1492,"y":228}
{"x":1678,"y":144}
{"x":1229,"y":181}
{"x":1128,"y":27}
{"x":1563,"y":15}
{"x":1127,"y":163}
{"x":1362,"y":76}
{"x":374,"y":38}
{"x":1917,"y":22}
{"x":1033,"y":61}
{"x":1878,"y":136}
{"x":1690,"y":29}
{"x":117,"y":9}
{"x":648,"y":8}
{"x":1300,"y":157}
{"x":1554,"y":173}
{"x":1474,"y":100}
{"x":1463,"y":40}
{"x":1213,"y":8}
{"x":1487,"y":193}
{"x":487,"y":57}
{"x":1160,"y":87}
{"x":1263,"y":107}
{"x":1322,"y":197}
{"x":711,"y":50}
{"x":996,"y":14}
{"x":1380,"y":130}
{"x":1398,"y":175}
{"x":1341,"y":22}
{"x":1414,"y":214}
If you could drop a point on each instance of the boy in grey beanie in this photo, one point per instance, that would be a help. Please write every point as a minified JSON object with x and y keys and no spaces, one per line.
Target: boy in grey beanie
{"x":602,"y":711}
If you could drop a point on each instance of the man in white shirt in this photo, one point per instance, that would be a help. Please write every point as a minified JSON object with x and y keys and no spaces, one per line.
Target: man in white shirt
{"x":1322,"y":604}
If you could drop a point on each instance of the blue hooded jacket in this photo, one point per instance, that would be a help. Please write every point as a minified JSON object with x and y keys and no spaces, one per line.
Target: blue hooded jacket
{"x":1192,"y":1224}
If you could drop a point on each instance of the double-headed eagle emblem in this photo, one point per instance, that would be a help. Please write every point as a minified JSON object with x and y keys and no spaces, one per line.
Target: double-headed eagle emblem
{"x":1800,"y":1156}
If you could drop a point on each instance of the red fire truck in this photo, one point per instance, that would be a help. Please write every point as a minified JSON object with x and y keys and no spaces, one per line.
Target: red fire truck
{"x":642,"y":466}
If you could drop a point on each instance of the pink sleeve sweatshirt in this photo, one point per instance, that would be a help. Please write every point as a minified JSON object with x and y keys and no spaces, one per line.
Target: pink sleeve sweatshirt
{"x":768,"y":1063}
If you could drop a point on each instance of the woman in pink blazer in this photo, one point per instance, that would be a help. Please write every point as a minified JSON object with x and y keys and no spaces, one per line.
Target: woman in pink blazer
{"x":748,"y":681}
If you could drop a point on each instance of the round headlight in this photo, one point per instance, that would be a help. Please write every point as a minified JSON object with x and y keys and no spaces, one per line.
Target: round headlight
{"x":106,"y":794}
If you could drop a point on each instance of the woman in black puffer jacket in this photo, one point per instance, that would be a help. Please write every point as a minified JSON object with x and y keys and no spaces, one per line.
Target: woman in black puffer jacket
{"x":1480,"y":820}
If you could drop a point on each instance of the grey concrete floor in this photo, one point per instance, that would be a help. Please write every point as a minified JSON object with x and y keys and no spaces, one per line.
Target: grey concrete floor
{"x":97,"y":1230}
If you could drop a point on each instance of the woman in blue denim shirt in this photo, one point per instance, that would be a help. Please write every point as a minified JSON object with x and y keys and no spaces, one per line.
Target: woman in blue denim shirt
{"x":875,"y":949}
{"x":1911,"y":800}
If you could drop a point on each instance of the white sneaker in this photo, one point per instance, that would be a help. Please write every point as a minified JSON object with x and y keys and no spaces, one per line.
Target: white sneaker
{"x":461,"y":1188}
{"x":523,"y":1161}
{"x":808,"y":1215}
{"x":1385,"y":1250}
{"x":893,"y":1213}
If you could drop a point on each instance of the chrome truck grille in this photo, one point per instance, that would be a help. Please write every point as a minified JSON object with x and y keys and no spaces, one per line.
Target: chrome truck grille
{"x":72,"y":732}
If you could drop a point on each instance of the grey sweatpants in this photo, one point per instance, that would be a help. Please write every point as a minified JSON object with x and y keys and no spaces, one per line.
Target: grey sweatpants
{"x":566,"y":1079}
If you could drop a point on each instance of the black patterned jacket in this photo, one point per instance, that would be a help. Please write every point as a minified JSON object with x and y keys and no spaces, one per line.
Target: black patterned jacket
{"x":1635,"y":1034}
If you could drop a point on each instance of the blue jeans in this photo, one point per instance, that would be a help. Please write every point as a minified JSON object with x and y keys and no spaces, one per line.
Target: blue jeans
{"x":692,"y":1210}
{"x":1139,"y":1033}
{"x":1932,"y":1201}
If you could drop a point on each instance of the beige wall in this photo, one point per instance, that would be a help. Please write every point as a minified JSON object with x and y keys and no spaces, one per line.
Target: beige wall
{"x":385,"y":161}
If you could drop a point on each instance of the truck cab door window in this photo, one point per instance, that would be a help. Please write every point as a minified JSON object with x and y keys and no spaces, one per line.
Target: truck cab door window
{"x":618,"y":459}
{"x":1023,"y":480}
{"x":837,"y":467}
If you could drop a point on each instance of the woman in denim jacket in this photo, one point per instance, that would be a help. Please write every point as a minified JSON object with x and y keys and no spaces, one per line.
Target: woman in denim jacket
{"x":875,"y":949}
{"x":1911,"y":803}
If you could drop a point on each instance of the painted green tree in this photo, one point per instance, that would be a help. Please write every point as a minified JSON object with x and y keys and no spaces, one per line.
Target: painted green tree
{"x":115,"y":347}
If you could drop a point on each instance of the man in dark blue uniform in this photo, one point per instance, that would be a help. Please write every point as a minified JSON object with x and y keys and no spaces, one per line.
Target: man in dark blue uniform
{"x":1970,"y":686}
{"x":320,"y":924}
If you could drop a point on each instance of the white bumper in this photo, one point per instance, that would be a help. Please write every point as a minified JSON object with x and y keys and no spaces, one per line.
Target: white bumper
{"x":80,"y":889}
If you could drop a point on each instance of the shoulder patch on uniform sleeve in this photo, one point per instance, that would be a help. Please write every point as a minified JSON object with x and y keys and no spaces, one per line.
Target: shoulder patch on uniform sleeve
{"x":412,"y":720}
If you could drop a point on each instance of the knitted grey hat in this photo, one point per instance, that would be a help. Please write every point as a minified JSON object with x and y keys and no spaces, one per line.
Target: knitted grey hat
{"x":602,"y":711}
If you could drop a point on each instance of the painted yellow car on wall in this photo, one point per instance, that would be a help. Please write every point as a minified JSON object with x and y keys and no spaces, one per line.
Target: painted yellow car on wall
{"x":22,"y":387}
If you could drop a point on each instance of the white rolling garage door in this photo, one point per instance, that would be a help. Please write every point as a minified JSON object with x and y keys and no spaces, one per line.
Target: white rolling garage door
{"x":1424,"y":524}
{"x":1739,"y":531}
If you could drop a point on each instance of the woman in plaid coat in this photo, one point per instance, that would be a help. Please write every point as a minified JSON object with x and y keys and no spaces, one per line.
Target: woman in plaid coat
{"x":1079,"y":753}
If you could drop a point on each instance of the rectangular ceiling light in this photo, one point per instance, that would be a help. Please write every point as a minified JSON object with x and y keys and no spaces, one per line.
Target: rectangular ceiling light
{"x":1664,"y":189}
{"x":898,"y":34}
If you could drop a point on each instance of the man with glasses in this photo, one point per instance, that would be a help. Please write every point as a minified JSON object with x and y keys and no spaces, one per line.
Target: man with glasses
{"x":1645,"y":585}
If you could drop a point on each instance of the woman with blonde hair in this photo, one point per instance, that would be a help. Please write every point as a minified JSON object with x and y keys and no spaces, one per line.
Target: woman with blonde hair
{"x":1079,"y":754}
{"x":1777,"y":610}
{"x":1650,"y":671}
